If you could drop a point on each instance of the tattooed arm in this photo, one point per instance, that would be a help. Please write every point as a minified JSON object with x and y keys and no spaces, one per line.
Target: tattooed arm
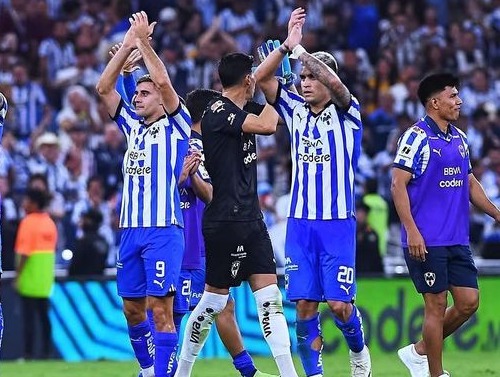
{"x":338,"y":91}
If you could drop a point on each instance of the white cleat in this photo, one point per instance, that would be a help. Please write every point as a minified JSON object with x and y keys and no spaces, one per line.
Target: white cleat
{"x":361,"y":363}
{"x":416,"y":364}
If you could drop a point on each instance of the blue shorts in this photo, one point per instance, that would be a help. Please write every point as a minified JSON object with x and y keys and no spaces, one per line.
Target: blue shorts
{"x":149,"y":261}
{"x":444,"y":266}
{"x":320,"y":258}
{"x":189,"y":290}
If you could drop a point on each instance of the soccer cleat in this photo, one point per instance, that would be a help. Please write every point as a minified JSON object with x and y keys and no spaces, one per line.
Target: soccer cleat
{"x":416,"y":364}
{"x":262,"y":374}
{"x":361,"y":364}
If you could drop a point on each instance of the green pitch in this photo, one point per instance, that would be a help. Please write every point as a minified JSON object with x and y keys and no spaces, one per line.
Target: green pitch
{"x":460,"y":364}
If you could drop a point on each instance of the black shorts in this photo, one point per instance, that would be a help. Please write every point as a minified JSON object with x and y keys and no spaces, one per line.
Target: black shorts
{"x":235,"y":251}
{"x":444,"y":266}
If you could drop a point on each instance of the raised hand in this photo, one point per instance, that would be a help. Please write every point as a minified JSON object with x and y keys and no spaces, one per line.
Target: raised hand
{"x":132,"y":60}
{"x":294,"y":37}
{"x":141,"y":26}
{"x":298,"y":16}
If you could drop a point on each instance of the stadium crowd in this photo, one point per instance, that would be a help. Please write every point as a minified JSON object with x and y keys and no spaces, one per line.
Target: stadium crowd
{"x":58,"y":134}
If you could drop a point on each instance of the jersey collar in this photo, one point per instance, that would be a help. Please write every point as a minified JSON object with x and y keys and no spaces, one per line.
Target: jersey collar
{"x":141,"y":121}
{"x":434,"y":127}
{"x":330,"y":102}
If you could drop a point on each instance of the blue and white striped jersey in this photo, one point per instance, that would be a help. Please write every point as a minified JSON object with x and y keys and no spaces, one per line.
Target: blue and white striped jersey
{"x":151,"y":167}
{"x":325,"y":151}
{"x":28,"y":103}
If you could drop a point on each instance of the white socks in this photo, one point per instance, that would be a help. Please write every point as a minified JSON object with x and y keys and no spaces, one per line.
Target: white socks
{"x":274,"y":327}
{"x":197,"y":329}
{"x":148,"y":372}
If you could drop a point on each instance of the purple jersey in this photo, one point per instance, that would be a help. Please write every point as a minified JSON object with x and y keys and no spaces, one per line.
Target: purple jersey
{"x":439,"y":188}
{"x":192,"y":212}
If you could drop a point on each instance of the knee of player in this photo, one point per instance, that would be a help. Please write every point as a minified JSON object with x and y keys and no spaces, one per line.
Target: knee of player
{"x":162,"y":314}
{"x":468,"y":307}
{"x":135,"y":312}
{"x":227,"y":312}
{"x":306,"y":309}
{"x":341,"y":309}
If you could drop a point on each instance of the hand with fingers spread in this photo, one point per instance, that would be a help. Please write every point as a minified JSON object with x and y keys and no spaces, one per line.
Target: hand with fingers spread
{"x":298,"y":16}
{"x":141,"y":26}
{"x":297,"y":20}
{"x":132,"y":60}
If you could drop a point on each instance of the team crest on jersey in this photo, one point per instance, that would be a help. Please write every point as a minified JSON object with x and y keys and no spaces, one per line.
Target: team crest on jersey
{"x":235,"y":267}
{"x":462,"y":151}
{"x":326,"y":118}
{"x":430,"y":278}
{"x":154,"y":130}
{"x":217,"y":106}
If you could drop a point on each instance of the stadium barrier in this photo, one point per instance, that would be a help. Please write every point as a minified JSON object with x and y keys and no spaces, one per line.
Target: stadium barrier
{"x":88,"y":323}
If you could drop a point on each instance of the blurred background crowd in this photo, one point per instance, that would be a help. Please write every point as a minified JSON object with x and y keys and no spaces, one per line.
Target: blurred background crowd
{"x":58,"y":136}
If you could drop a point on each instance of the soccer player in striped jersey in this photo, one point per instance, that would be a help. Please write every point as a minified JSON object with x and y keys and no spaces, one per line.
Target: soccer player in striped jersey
{"x":326,"y":131}
{"x":152,"y":244}
{"x":237,"y":244}
{"x":3,"y":114}
{"x":432,"y":185}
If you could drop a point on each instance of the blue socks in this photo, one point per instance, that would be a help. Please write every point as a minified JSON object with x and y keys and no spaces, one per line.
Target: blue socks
{"x":151,"y":321}
{"x":177,"y":321}
{"x":244,"y":363}
{"x":352,"y":331}
{"x":1,"y":326}
{"x":308,"y":330}
{"x":141,"y":339}
{"x":165,"y":353}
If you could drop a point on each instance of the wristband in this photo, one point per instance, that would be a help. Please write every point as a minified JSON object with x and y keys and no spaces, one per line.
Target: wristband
{"x":297,"y":51}
{"x":284,"y":49}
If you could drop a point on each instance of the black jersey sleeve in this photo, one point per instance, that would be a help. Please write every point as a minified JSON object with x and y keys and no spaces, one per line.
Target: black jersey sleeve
{"x":254,"y":107}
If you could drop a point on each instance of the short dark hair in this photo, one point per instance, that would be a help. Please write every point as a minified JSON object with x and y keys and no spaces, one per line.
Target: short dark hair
{"x":92,"y":220}
{"x":197,"y":101}
{"x":38,"y":177}
{"x":435,"y":83}
{"x":37,"y":196}
{"x":144,"y":78}
{"x":328,"y":59}
{"x":233,"y":68}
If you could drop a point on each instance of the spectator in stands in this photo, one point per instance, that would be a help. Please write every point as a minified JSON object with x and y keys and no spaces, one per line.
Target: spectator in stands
{"x":368,"y":259}
{"x":47,"y":161}
{"x":239,"y":21}
{"x":91,"y":250}
{"x":479,"y":91}
{"x":32,"y":113}
{"x":95,"y":200}
{"x":55,"y":53}
{"x":109,"y":159}
{"x":469,"y":56}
